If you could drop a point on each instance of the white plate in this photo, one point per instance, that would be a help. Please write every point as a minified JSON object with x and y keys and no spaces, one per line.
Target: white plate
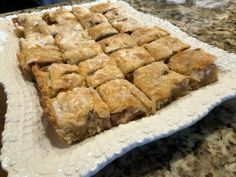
{"x":29,"y":146}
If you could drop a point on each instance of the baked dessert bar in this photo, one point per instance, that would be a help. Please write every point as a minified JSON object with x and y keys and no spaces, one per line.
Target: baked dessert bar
{"x":28,"y":24}
{"x":71,"y":39}
{"x":79,"y":11}
{"x":103,"y":7}
{"x":57,"y":77}
{"x":148,"y":34}
{"x":125,"y":101}
{"x":116,"y":42}
{"x":129,"y":60}
{"x":84,"y":51}
{"x":160,"y":84}
{"x":116,"y":15}
{"x":164,"y":47}
{"x":72,"y":121}
{"x":127,"y":26}
{"x":102,"y":31}
{"x":60,"y":16}
{"x":37,"y":55}
{"x":100,"y":70}
{"x":37,"y":40}
{"x":197,"y":64}
{"x":91,"y":19}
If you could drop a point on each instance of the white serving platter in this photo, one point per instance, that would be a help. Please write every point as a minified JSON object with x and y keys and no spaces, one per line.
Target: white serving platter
{"x":29,"y":144}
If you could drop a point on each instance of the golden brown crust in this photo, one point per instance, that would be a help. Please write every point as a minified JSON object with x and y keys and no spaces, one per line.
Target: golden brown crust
{"x":60,"y":16}
{"x":164,"y":47}
{"x":102,"y":31}
{"x":79,"y":11}
{"x":158,"y":51}
{"x":100,"y":70}
{"x":41,"y":78}
{"x":36,"y":55}
{"x":160,"y":84}
{"x":74,"y":122}
{"x":103,"y":7}
{"x":129,"y":60}
{"x":25,"y":69}
{"x":127,"y":26}
{"x":126,"y":102}
{"x":38,"y":40}
{"x":57,"y":77}
{"x":116,"y":15}
{"x":197,"y":64}
{"x":148,"y":34}
{"x":28,"y":24}
{"x":68,"y":40}
{"x":51,"y":116}
{"x":91,"y":19}
{"x":39,"y":55}
{"x":116,"y":42}
{"x":86,"y":51}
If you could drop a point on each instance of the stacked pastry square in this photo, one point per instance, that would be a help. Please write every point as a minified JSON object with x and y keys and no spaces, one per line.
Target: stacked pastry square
{"x":97,"y":68}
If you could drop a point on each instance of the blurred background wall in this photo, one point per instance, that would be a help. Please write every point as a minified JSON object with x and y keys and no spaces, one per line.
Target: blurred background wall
{"x":12,"y":5}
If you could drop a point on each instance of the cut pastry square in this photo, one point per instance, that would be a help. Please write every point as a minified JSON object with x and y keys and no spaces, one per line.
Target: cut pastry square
{"x":77,"y":114}
{"x":160,"y":84}
{"x":116,"y":42}
{"x":127,"y":26}
{"x":92,"y":19}
{"x":103,"y":7}
{"x":27,"y":24}
{"x":79,"y":11}
{"x":73,"y":26}
{"x":148,"y":34}
{"x":129,"y":60}
{"x":100,"y":70}
{"x":126,"y":102}
{"x":37,"y":55}
{"x":197,"y":64}
{"x":86,"y":50}
{"x":116,"y":15}
{"x":68,"y":40}
{"x":37,"y":40}
{"x":57,"y":77}
{"x":60,"y":16}
{"x":164,"y":47}
{"x":102,"y":31}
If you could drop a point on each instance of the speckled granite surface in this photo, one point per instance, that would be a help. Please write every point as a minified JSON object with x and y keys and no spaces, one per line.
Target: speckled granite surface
{"x":207,"y":149}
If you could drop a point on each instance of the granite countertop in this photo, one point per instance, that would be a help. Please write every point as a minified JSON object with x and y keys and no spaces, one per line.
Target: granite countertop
{"x":208,"y":148}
